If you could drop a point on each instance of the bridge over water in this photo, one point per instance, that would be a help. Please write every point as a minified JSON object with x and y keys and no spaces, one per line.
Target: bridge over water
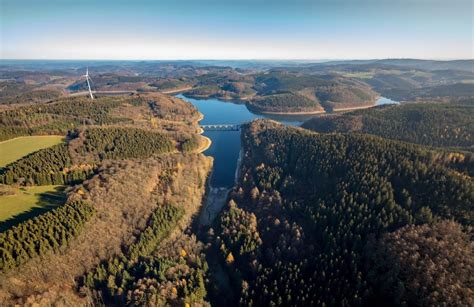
{"x":221,"y":127}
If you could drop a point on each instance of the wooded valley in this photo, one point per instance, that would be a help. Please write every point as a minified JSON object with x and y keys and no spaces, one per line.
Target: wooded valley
{"x":328,"y":219}
{"x":372,"y":207}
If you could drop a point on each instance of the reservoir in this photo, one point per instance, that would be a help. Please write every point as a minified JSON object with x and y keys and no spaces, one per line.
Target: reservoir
{"x":225,"y":145}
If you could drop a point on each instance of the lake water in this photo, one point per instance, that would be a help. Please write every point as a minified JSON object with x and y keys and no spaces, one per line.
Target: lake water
{"x":225,"y":145}
{"x":383,"y":100}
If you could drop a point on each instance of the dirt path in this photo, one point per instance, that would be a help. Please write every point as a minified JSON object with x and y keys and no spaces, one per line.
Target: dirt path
{"x":353,"y":108}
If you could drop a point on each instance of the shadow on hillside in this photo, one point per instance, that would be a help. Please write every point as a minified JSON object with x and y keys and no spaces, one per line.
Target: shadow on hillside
{"x":46,"y":202}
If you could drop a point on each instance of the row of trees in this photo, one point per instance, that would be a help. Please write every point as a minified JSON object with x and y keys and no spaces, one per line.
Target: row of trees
{"x":307,"y":207}
{"x":54,"y":127}
{"x":45,"y":167}
{"x":44,"y":233}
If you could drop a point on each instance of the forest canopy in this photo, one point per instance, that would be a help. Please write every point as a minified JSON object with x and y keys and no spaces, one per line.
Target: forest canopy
{"x":435,"y":124}
{"x":308,"y":205}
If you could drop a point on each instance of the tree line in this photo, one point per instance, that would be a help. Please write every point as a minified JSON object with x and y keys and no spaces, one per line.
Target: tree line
{"x":54,"y":165}
{"x":47,"y":166}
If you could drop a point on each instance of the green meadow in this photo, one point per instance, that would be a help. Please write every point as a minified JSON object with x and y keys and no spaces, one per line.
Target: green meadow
{"x":19,"y":204}
{"x":14,"y":149}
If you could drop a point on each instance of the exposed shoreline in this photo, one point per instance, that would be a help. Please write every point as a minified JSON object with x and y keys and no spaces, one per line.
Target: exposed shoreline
{"x":205,"y":144}
{"x":176,"y":90}
{"x":354,"y":108}
{"x":241,"y":100}
{"x":205,"y":141}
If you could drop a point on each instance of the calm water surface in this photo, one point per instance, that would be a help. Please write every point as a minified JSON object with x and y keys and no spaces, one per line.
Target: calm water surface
{"x":225,"y":146}
{"x":383,"y":100}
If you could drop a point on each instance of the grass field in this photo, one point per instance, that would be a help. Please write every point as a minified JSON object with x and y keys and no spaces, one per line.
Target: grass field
{"x":14,"y":149}
{"x":28,"y":202}
{"x":361,"y":75}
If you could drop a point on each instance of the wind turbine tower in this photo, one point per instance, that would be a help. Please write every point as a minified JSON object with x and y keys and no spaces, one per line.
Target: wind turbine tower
{"x":89,"y":81}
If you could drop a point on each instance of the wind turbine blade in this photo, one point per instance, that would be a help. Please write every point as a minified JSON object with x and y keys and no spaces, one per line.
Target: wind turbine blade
{"x":89,"y":81}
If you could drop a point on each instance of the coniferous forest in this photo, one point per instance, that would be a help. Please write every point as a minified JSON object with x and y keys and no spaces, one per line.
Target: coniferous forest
{"x":435,"y":124}
{"x":316,"y":220}
{"x":44,"y":233}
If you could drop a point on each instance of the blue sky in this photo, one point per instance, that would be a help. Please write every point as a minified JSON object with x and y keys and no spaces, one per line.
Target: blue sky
{"x":232,"y":29}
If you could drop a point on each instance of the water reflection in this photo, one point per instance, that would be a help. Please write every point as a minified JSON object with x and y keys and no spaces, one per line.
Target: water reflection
{"x":383,"y":100}
{"x":225,"y":145}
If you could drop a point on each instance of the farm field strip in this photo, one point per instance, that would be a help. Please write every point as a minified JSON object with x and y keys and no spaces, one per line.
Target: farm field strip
{"x":14,"y":149}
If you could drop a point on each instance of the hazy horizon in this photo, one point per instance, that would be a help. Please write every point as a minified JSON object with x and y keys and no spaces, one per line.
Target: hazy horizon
{"x":316,"y":60}
{"x":227,"y":30}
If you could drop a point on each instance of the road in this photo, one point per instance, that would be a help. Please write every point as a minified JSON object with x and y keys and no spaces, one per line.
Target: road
{"x":86,"y":93}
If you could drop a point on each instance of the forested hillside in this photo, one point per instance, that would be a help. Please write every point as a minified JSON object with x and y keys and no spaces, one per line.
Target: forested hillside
{"x":311,"y":211}
{"x":19,"y":91}
{"x":44,"y":233}
{"x":329,"y":91}
{"x":151,"y":111}
{"x":57,"y":117}
{"x":131,"y":191}
{"x":284,"y":103}
{"x":121,"y":127}
{"x":118,"y":221}
{"x":441,"y":125}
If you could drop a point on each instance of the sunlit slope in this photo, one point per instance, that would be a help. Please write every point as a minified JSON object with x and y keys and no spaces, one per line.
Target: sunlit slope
{"x":14,"y":149}
{"x":28,"y":201}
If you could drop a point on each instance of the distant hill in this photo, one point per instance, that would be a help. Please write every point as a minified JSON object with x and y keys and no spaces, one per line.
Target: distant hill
{"x":458,"y":90}
{"x":401,"y":80}
{"x":467,"y":65}
{"x":342,"y":84}
{"x":330,"y":91}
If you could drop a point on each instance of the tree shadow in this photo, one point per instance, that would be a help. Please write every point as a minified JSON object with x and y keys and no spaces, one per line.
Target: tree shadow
{"x":47,"y":201}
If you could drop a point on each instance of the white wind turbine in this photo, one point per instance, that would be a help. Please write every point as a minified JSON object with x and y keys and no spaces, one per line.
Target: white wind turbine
{"x":89,"y":81}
